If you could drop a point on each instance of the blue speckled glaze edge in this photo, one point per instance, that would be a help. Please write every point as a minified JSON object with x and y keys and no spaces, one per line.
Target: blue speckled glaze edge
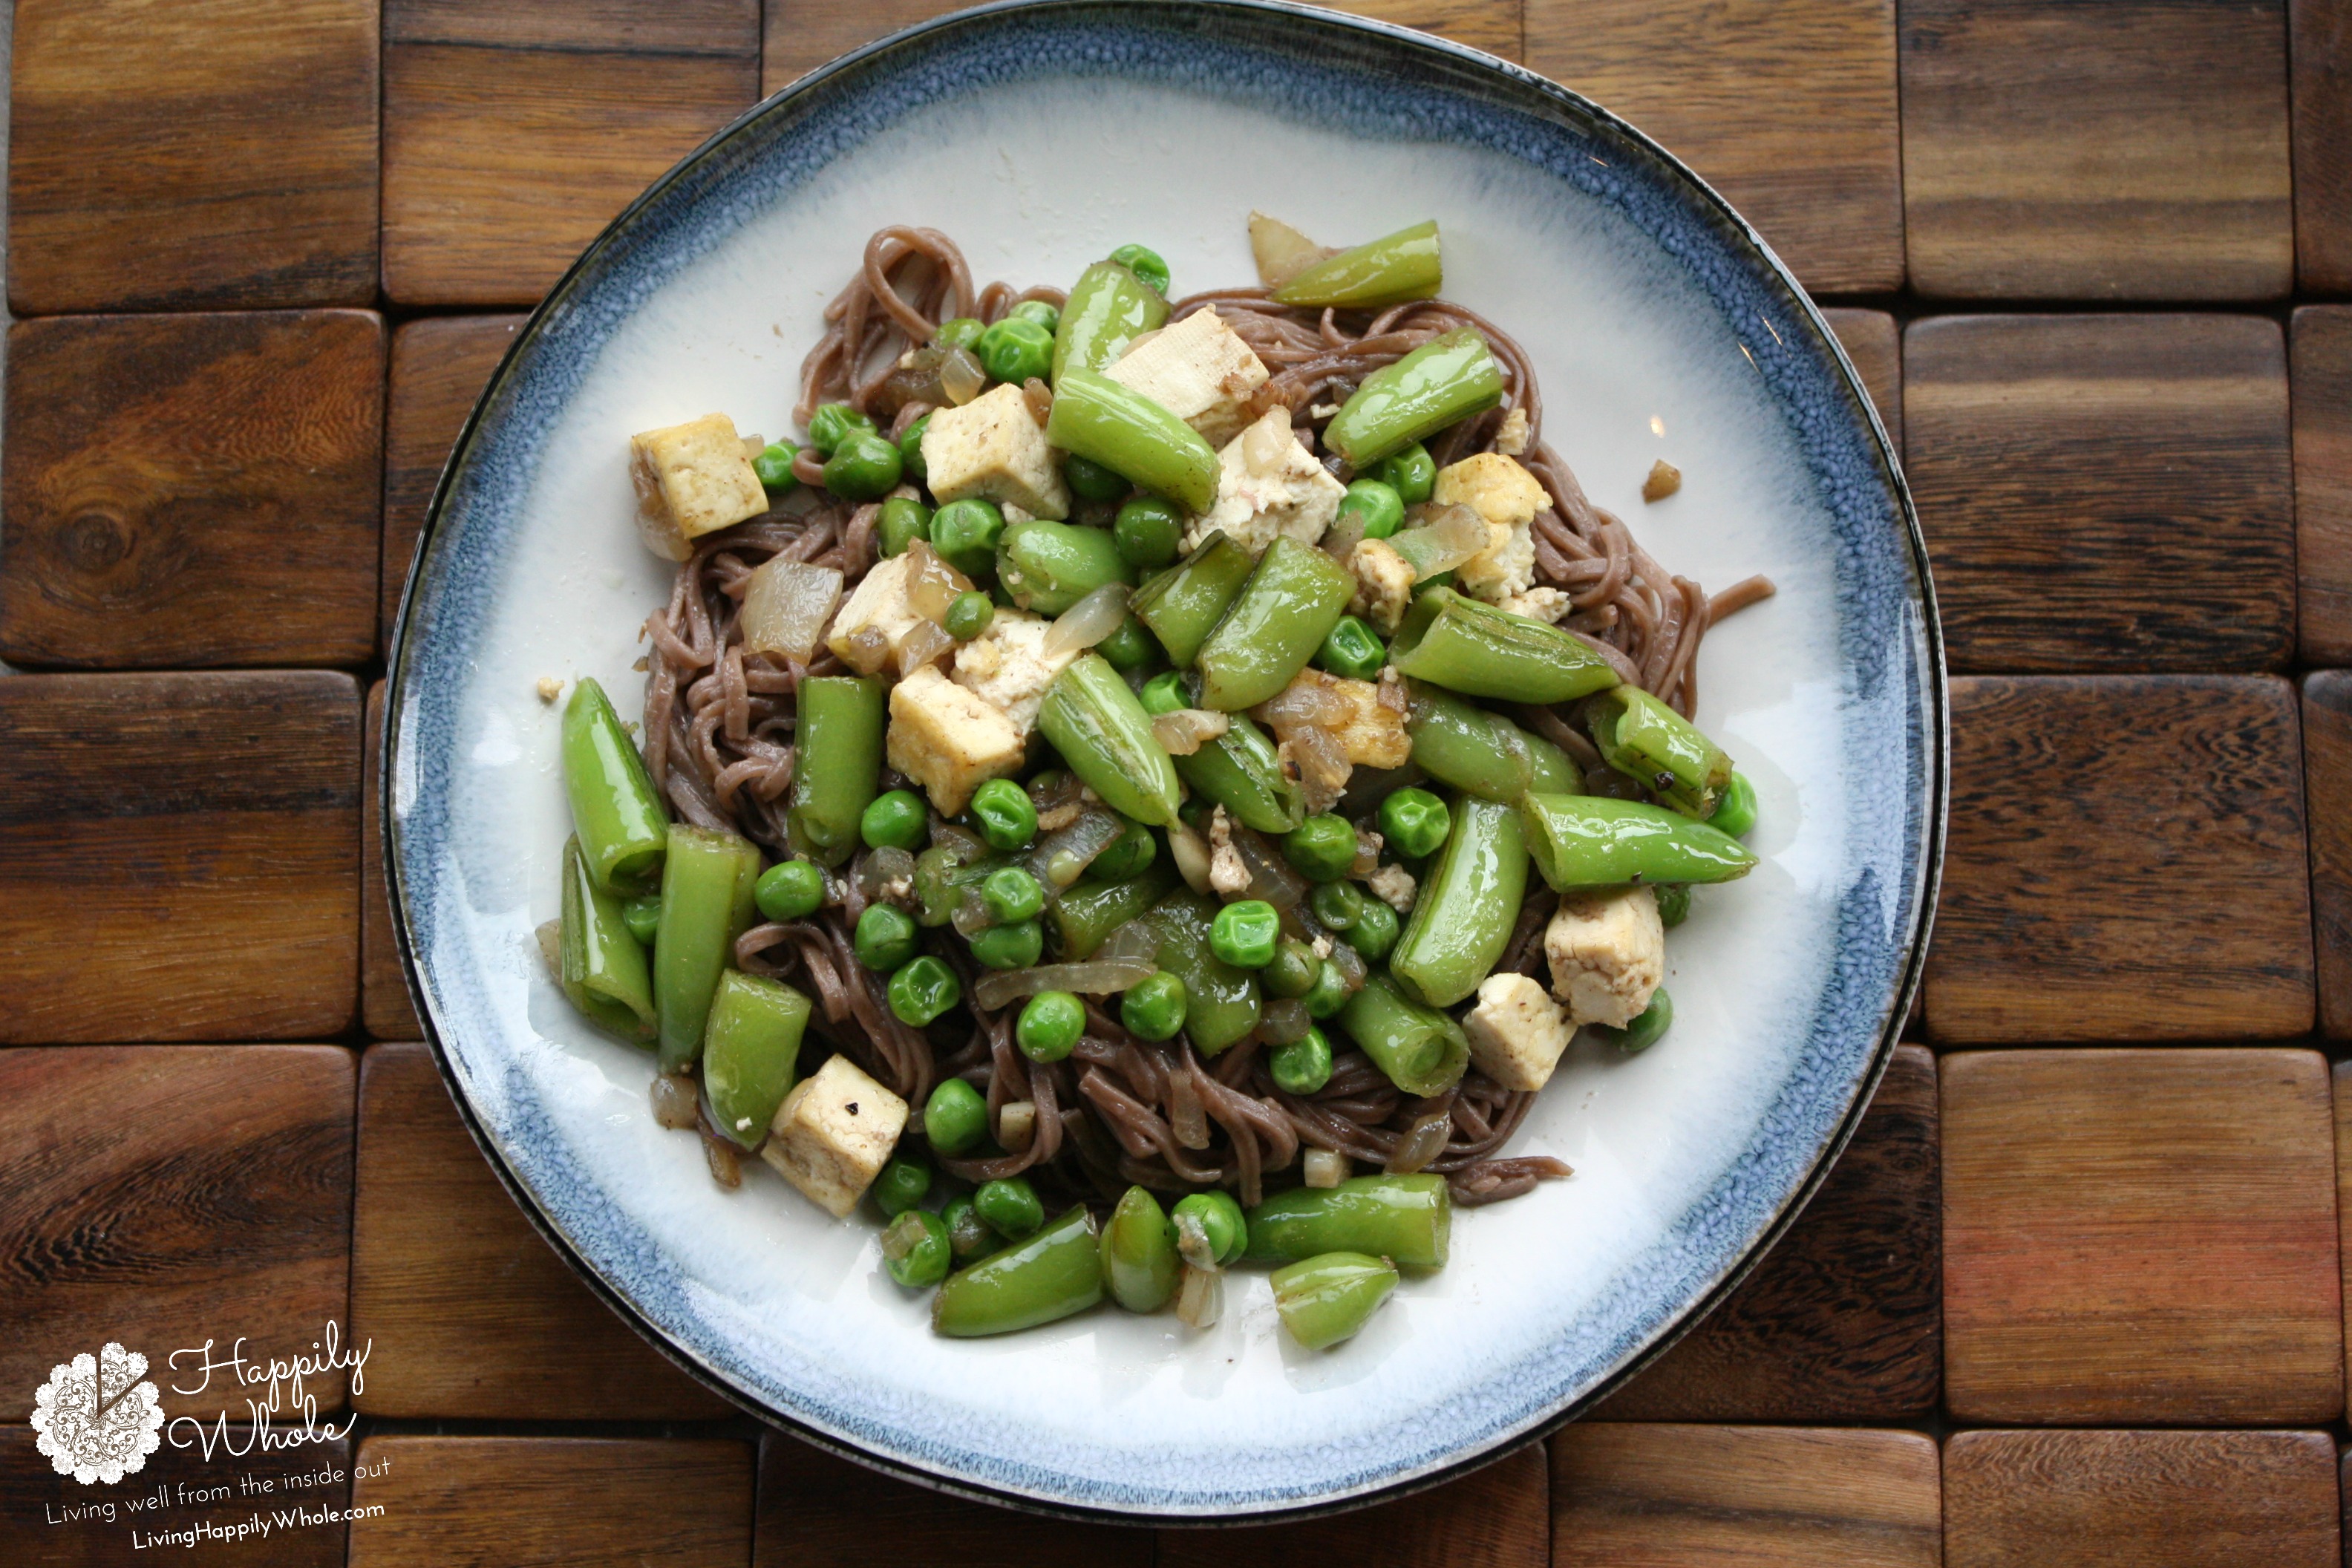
{"x":1431,"y":88}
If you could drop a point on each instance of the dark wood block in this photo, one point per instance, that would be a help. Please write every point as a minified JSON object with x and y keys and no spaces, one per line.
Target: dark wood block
{"x":2134,"y":150}
{"x":168,"y":1195}
{"x":2341,"y":1084}
{"x":585,"y":1502}
{"x":1875,"y":343}
{"x":1497,"y":1517}
{"x":179,"y":855}
{"x":386,"y":1010}
{"x":2322,"y":375}
{"x":2139,"y":1499}
{"x":2135,"y":1236}
{"x":1664,"y":1497}
{"x":37,"y":1531}
{"x":2328,"y":785}
{"x":514,"y":131}
{"x":1789,"y":110}
{"x":2126,"y":861}
{"x":2321,"y":50}
{"x":473,"y":1315}
{"x":192,"y":490}
{"x":1494,"y":26}
{"x":2052,"y":458}
{"x":1842,"y":1318}
{"x":200,"y":155}
{"x":439,"y":366}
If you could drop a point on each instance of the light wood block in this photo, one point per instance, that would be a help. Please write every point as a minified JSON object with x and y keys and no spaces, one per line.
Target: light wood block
{"x":439,"y":366}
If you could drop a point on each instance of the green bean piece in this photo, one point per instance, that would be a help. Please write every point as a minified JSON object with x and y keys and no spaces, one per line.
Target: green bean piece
{"x":621,"y":826}
{"x":1385,"y":271}
{"x":1129,"y":648}
{"x":1481,"y":651}
{"x":1293,"y":971}
{"x":1129,"y":434}
{"x":833,"y":422}
{"x":1107,"y":308}
{"x":1053,"y":1274}
{"x":1647,"y":1027}
{"x":1410,"y":471}
{"x":1245,"y":934}
{"x":1011,"y":1206}
{"x":839,"y":744}
{"x":912,"y":469}
{"x":1220,"y":1002}
{"x":1011,"y":894}
{"x":1323,"y":1300}
{"x":1414,"y":823}
{"x":1006,"y":816}
{"x":922,"y":989}
{"x":1138,"y":1253}
{"x":969,"y":615}
{"x":885,"y":937}
{"x":1421,"y":1050}
{"x":707,"y":882}
{"x":1242,"y":770}
{"x":1183,"y":605}
{"x":895,"y":820}
{"x":1129,"y":854}
{"x":1674,"y":903}
{"x":602,"y":965}
{"x":969,"y":1237}
{"x":1304,"y":1066}
{"x":1095,"y":722}
{"x":959,"y":332}
{"x":1092,"y":481}
{"x":1468,"y":903}
{"x":1338,"y":905}
{"x":1456,"y":742}
{"x":774,"y":467}
{"x":1581,"y":841}
{"x":865,"y":467}
{"x":1149,"y":532}
{"x":965,"y":533}
{"x":1084,"y":916}
{"x":750,"y":1053}
{"x":1329,"y":994}
{"x":1660,"y":750}
{"x":1286,"y":610}
{"x":1409,"y":1219}
{"x":1146,"y":264}
{"x":901,"y":1185}
{"x":1374,"y":935}
{"x":1446,"y":379}
{"x":1153,"y":1007}
{"x":1735,"y":813}
{"x":916,"y":1249}
{"x":1321,"y":848}
{"x":1220,"y":1221}
{"x":1015,"y":349}
{"x":1042,"y":312}
{"x":790,"y":890}
{"x":1048,"y":566}
{"x":642,"y":915}
{"x":1050,"y":1024}
{"x":1352,"y":649}
{"x":955,"y":1118}
{"x":1015,"y":946}
{"x":1550,"y":770}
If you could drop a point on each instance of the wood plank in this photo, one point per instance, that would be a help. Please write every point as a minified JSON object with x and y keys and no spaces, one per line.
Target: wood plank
{"x":1842,"y":1322}
{"x":2321,"y":361}
{"x":2126,"y":862}
{"x":2049,"y":456}
{"x":1497,"y":1517}
{"x":35,"y":1531}
{"x":1496,"y":26}
{"x":386,"y":1010}
{"x":227,"y":1214}
{"x":585,"y":1502}
{"x":2341,"y":1097}
{"x":201,"y":154}
{"x":2140,"y":1237}
{"x":2139,"y":1499}
{"x":1789,"y":110}
{"x":1664,"y":1497}
{"x":2321,"y":50}
{"x":2134,"y":150}
{"x":179,"y":855}
{"x":2328,"y":785}
{"x":192,"y":490}
{"x":439,"y":366}
{"x":472,"y":1314}
{"x":514,"y":131}
{"x":1875,"y":343}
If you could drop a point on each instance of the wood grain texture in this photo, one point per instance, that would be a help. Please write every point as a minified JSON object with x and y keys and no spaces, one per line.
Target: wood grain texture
{"x":2133,"y":150}
{"x":514,"y":131}
{"x":439,"y":366}
{"x":192,"y":490}
{"x":2320,"y":371}
{"x":2126,"y":862}
{"x":1761,"y":1496}
{"x":1497,"y":1517}
{"x":2327,"y":787}
{"x":1789,"y":110}
{"x":2340,"y":1085}
{"x":32,"y":1495}
{"x":225,"y":1211}
{"x":2143,"y":1237}
{"x":386,"y":1010}
{"x":2139,"y":1499}
{"x":201,"y":154}
{"x":1875,"y":343}
{"x":1842,"y":1321}
{"x":179,"y":855}
{"x":2104,"y":492}
{"x":472,"y":1314}
{"x":819,"y":1512}
{"x":585,"y":1502}
{"x":2321,"y":50}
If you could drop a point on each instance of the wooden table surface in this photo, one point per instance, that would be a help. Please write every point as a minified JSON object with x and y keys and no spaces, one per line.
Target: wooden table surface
{"x":2073,"y":1296}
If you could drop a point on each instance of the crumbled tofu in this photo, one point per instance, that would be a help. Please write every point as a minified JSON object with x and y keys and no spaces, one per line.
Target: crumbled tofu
{"x":948,"y":740}
{"x":1373,"y":735}
{"x":1384,"y":581}
{"x":1393,"y":886}
{"x":834,"y":1133}
{"x":1321,"y":946}
{"x":865,"y":635}
{"x":1665,"y":480}
{"x":1511,"y":436}
{"x":1229,"y":878}
{"x":1608,"y":954}
{"x":994,"y":446}
{"x":1008,"y":665}
{"x":550,"y":689}
{"x":691,"y":480}
{"x":1516,"y":1032}
{"x":1199,"y":370}
{"x":1268,"y":485}
{"x":1507,"y":497}
{"x":1013,"y":515}
{"x":1550,"y":604}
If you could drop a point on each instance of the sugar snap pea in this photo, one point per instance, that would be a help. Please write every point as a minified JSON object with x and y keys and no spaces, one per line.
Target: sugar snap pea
{"x":1183,"y":605}
{"x":1463,"y":919}
{"x":1326,"y":1299}
{"x":1422,"y":1050}
{"x":707,"y":886}
{"x":750,"y":1052}
{"x":1048,"y":566}
{"x":1481,"y":651}
{"x":839,"y":746}
{"x":1138,"y":1253}
{"x":621,"y":826}
{"x":1127,"y":433}
{"x":603,"y":966}
{"x":1093,"y":718}
{"x":1450,"y":377}
{"x":1660,"y":750}
{"x":1288,"y":607}
{"x":1051,"y":1274}
{"x":1107,"y":308}
{"x":1385,"y":271}
{"x":1409,"y":1219}
{"x":1581,"y":841}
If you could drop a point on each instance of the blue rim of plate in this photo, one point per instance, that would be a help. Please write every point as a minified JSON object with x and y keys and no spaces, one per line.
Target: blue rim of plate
{"x":1452,"y":67}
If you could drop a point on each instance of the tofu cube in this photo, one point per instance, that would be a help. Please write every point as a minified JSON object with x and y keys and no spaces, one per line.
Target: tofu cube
{"x":1373,"y":734}
{"x":1517,"y":1031}
{"x":993,"y":446}
{"x":691,"y":480}
{"x":949,"y":740}
{"x":834,"y":1133}
{"x":1008,"y":667}
{"x":1607,"y":954}
{"x":867,"y":633}
{"x":1199,"y":370}
{"x":1508,"y":497}
{"x":1268,"y":485}
{"x":1384,"y":580}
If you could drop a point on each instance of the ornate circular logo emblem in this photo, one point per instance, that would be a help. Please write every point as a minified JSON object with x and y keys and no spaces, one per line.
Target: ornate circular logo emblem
{"x":96,"y":1417}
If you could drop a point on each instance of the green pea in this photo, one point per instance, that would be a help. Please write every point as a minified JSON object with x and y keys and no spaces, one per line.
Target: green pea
{"x":1353,"y":650}
{"x":1736,"y":812}
{"x":967,"y":1234}
{"x":1006,"y":816}
{"x":1144,"y":263}
{"x":965,"y":533}
{"x":1014,"y":350}
{"x":1153,"y":1007}
{"x":1674,"y":899}
{"x":1338,"y":905}
{"x":643,"y":916}
{"x":1321,"y":848}
{"x":1415,"y":823}
{"x":885,"y":937}
{"x":1050,"y":1024}
{"x":955,"y":1117}
{"x":922,"y":989}
{"x":1245,"y":934}
{"x":916,"y":1249}
{"x":1647,"y":1027}
{"x":1129,"y":855}
{"x":790,"y":890}
{"x":1011,"y":894}
{"x":1331,"y":993}
{"x":774,"y":467}
{"x":904,"y":521}
{"x":910,"y":452}
{"x":1375,"y":931}
{"x":1042,"y":312}
{"x":1165,"y":693}
{"x":1147,"y":532}
{"x":830,"y":423}
{"x":1089,"y":480}
{"x":969,"y":615}
{"x":897,"y":819}
{"x":1412,"y":473}
{"x":1294,"y":971}
{"x":1220,"y":1220}
{"x":1015,"y":946}
{"x":1377,"y":504}
{"x":865,"y":467}
{"x":1304,"y":1066}
{"x":1130,"y":648}
{"x":1010,"y":1207}
{"x":959,"y":332}
{"x":901,"y":1185}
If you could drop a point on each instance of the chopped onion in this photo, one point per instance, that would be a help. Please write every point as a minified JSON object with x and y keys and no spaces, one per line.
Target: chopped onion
{"x":787,"y":605}
{"x":932,"y":585}
{"x":1368,"y":853}
{"x":876,"y":869}
{"x":551,"y":948}
{"x":1097,"y":976}
{"x":1425,"y":1142}
{"x":726,"y":1165}
{"x":1016,"y":1123}
{"x":1088,"y":622}
{"x":966,"y":845}
{"x":1281,"y":251}
{"x":1350,"y":965}
{"x":1322,"y":761}
{"x":674,"y":1105}
{"x":1193,"y":1244}
{"x":1134,"y":941}
{"x":1442,"y":538}
{"x":753,"y":446}
{"x":1063,"y":858}
{"x":926,"y":642}
{"x":1190,"y":853}
{"x":1272,"y":877}
{"x":867,"y":649}
{"x":1307,"y":701}
{"x":1267,"y":442}
{"x":1286,"y":1019}
{"x":1186,"y":1117}
{"x":1347,"y":531}
{"x":1187,"y":729}
{"x":962,"y":376}
{"x":1201,"y":1299}
{"x":1326,"y":1168}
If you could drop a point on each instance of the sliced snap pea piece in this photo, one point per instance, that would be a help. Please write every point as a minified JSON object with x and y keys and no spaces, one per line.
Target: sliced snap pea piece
{"x":1422,"y":1050}
{"x":1323,"y":1300}
{"x":1085,"y":915}
{"x":1095,"y":722}
{"x":1138,"y":1253}
{"x":1409,"y":1219}
{"x":603,"y":966}
{"x":1107,"y":308}
{"x":1274,"y":629}
{"x":1463,"y":918}
{"x":916,"y":1249}
{"x":1107,"y":422}
{"x":1220,"y":1002}
{"x":1480,"y":650}
{"x":839,"y":744}
{"x":1242,"y":770}
{"x":1388,"y":270}
{"x":1183,"y":605}
{"x":622,"y":827}
{"x":1458,"y":742}
{"x":1590,"y":841}
{"x":1446,"y":379}
{"x":1048,"y":566}
{"x":1660,"y":750}
{"x":1053,"y":1274}
{"x":750,"y":1053}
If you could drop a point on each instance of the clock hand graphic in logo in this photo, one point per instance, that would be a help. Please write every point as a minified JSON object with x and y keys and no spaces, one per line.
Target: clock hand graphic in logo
{"x":97,"y":1417}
